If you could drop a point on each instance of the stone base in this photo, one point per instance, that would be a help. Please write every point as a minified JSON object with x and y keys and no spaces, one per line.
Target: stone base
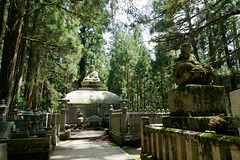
{"x":200,"y":124}
{"x":65,"y":135}
{"x":29,"y":148}
{"x":91,"y":84}
{"x":122,"y":139}
{"x":197,"y":100}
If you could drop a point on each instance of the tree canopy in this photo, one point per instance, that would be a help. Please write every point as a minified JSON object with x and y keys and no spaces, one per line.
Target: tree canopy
{"x":47,"y":45}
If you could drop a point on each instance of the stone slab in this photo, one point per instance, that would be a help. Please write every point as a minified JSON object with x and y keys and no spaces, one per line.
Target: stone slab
{"x":86,"y":134}
{"x":197,"y":100}
{"x":3,"y":151}
{"x":235,"y":102}
{"x":88,"y":150}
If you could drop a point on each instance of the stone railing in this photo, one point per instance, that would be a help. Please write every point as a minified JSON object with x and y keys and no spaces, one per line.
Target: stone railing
{"x":158,"y":142}
{"x":124,"y":126}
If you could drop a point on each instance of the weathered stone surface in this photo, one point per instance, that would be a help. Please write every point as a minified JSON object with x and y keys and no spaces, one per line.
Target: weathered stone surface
{"x":90,"y":101}
{"x":187,"y":70}
{"x":5,"y":129}
{"x":29,"y":148}
{"x":91,"y":84}
{"x":235,"y":102}
{"x":185,"y":144}
{"x":200,"y":123}
{"x":197,"y":100}
{"x":3,"y":151}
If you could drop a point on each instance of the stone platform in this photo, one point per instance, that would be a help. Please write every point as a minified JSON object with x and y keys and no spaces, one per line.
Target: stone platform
{"x":197,"y":100}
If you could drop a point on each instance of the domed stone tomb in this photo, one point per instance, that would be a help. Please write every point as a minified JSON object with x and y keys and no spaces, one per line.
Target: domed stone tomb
{"x":91,"y":99}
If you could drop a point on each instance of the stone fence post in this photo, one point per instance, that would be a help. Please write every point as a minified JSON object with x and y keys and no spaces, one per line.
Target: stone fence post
{"x":63,"y":119}
{"x":124,"y":119}
{"x":110,"y":117}
{"x":144,"y":121}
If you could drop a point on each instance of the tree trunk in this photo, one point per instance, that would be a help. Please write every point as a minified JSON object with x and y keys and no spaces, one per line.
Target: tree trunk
{"x":21,"y":57}
{"x":193,"y":41}
{"x":236,"y":46}
{"x":32,"y":73}
{"x":224,"y":40}
{"x":2,"y":16}
{"x":210,"y":38}
{"x":10,"y":49}
{"x":82,"y":68}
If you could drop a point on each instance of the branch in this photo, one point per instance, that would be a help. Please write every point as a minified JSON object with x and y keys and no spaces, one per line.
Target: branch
{"x":222,"y":47}
{"x":41,"y":42}
{"x":216,"y":21}
{"x":225,"y":56}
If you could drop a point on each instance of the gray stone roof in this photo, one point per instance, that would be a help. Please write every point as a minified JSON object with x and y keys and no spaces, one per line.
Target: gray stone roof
{"x":92,"y":96}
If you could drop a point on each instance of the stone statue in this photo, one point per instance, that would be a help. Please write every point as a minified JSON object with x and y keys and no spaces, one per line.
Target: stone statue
{"x":187,"y":70}
{"x":92,"y":75}
{"x":91,"y":80}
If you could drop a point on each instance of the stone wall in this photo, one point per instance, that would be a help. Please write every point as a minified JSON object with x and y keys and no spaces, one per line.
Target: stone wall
{"x":3,"y":151}
{"x":168,"y":143}
{"x":125,"y":128}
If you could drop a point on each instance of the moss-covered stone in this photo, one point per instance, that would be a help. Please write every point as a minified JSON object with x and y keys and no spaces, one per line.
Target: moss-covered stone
{"x":197,"y":100}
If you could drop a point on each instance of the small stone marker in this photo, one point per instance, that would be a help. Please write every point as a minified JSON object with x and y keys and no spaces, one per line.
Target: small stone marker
{"x":235,"y":104}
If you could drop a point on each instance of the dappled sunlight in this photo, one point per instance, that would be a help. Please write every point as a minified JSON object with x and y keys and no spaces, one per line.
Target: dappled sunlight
{"x":88,"y":150}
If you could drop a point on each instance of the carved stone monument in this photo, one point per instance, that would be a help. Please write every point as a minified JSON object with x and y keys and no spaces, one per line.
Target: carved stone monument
{"x":194,"y":96}
{"x":187,"y":70}
{"x":91,"y":100}
{"x":92,"y":79}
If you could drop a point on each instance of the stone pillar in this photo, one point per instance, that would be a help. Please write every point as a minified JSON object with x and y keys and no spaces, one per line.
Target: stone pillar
{"x":63,"y":106}
{"x":3,"y":151}
{"x":124,"y":119}
{"x":58,"y":123}
{"x":110,"y":115}
{"x":53,"y":119}
{"x":49,"y":122}
{"x":235,"y":104}
{"x":144,"y":121}
{"x":3,"y":108}
{"x":63,"y":119}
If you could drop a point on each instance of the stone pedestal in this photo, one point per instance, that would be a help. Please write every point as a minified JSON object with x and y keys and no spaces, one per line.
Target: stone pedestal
{"x":91,"y":83}
{"x":197,"y":100}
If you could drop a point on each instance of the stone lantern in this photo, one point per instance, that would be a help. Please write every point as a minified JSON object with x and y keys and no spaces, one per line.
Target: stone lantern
{"x":34,"y":127}
{"x":27,"y":115}
{"x":63,"y":101}
{"x":3,"y":108}
{"x":15,"y":112}
{"x":42,"y":118}
{"x":123,"y":103}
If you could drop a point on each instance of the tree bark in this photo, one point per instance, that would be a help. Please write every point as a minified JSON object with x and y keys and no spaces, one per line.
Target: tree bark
{"x":2,"y":16}
{"x":237,"y":45}
{"x":31,"y":75}
{"x":193,"y":41}
{"x":10,"y":49}
{"x":21,"y":57}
